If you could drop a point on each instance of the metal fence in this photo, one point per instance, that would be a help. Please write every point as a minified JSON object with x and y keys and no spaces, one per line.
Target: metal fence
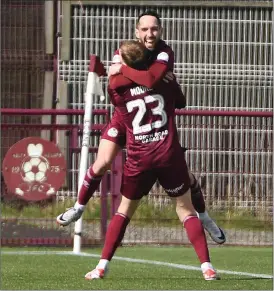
{"x":27,"y":61}
{"x":24,"y":54}
{"x":223,"y":55}
{"x":18,"y":227}
{"x":223,"y":61}
{"x":243,"y":184}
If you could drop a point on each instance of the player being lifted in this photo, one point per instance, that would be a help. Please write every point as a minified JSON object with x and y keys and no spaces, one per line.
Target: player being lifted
{"x":160,"y":63}
{"x":153,"y":153}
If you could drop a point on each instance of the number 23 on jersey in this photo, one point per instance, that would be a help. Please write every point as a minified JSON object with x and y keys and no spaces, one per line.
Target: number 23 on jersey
{"x":142,"y":109}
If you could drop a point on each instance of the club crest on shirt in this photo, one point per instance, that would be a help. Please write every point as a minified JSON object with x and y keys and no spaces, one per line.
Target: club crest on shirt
{"x":112,"y":132}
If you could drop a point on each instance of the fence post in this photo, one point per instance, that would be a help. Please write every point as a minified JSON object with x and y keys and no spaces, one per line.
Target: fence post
{"x":47,"y":102}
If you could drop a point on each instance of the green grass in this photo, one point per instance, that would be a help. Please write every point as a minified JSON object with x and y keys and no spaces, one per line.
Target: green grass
{"x":56,"y":272}
{"x":146,"y":214}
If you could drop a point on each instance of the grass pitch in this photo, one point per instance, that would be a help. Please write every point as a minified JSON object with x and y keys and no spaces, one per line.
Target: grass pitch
{"x":49,"y":270}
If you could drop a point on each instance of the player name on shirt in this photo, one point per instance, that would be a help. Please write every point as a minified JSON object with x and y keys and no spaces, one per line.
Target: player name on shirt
{"x":139,"y":90}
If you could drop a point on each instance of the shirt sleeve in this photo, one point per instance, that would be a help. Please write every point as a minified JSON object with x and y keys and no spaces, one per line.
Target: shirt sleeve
{"x":153,"y":75}
{"x":111,"y":94}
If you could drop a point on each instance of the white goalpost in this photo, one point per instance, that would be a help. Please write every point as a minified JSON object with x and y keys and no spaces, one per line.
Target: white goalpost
{"x":96,"y":69}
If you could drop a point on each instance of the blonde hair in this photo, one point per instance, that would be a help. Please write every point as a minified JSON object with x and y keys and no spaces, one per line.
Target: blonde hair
{"x":133,"y":53}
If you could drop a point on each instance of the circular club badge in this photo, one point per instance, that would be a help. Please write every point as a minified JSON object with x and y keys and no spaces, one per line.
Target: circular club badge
{"x":34,"y":169}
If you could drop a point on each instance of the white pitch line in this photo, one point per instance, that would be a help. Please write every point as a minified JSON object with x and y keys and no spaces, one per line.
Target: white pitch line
{"x":140,"y":261}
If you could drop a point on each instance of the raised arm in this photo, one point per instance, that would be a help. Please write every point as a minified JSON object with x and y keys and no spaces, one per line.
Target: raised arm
{"x":147,"y":78}
{"x":154,"y":74}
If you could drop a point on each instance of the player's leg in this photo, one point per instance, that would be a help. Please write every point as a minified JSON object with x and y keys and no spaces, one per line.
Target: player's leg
{"x":114,"y":236}
{"x":130,"y":189}
{"x":196,"y":191}
{"x":195,"y":233}
{"x":177,"y":187}
{"x":107,"y":151}
{"x":215,"y":232}
{"x":112,"y":140}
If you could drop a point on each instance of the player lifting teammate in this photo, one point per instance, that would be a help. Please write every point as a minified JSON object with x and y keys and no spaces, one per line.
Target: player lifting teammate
{"x":160,"y":62}
{"x":153,"y":153}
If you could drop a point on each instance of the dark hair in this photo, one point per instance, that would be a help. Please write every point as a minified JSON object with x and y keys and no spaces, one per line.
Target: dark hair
{"x":134,"y":54}
{"x":150,"y":13}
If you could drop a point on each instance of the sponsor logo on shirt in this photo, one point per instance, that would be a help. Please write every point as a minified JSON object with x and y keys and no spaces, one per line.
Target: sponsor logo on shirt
{"x":147,"y":138}
{"x":112,"y":132}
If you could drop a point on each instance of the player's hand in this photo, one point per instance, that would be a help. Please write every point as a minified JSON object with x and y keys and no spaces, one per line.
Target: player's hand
{"x":169,"y":76}
{"x":114,"y":69}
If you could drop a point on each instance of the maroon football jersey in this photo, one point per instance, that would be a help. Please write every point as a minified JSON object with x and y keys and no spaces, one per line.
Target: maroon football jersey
{"x":148,"y":115}
{"x":163,"y":47}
